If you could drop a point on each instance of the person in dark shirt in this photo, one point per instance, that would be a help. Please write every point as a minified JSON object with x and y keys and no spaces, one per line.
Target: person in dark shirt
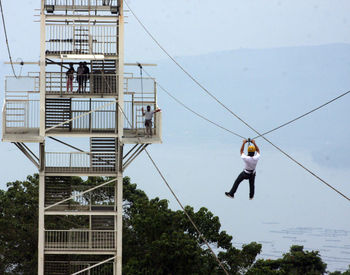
{"x":80,"y":77}
{"x":70,"y":77}
{"x":86,"y":75}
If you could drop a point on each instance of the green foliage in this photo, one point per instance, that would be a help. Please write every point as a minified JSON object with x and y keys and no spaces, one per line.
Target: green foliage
{"x":295,"y":262}
{"x":18,"y":227}
{"x":347,"y":272}
{"x":156,"y":239}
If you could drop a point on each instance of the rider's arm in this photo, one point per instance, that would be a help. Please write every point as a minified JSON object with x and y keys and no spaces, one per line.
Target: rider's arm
{"x":256,"y":146}
{"x":242,"y":148}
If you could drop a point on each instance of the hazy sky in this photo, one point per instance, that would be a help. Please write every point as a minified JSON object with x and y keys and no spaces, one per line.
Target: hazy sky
{"x":201,"y":170}
{"x":190,"y":27}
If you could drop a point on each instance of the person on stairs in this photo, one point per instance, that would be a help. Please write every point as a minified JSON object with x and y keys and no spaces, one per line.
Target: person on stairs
{"x":249,"y":172}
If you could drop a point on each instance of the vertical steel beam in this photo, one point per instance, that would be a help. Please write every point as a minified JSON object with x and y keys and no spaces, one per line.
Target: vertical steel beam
{"x":42,"y":87}
{"x":41,"y":231}
{"x":119,"y":217}
{"x":42,"y":62}
{"x":120,"y":74}
{"x":120,"y":125}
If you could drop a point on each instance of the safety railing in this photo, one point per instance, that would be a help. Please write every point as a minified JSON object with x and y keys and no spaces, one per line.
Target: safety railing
{"x":70,"y":267}
{"x":21,"y":86}
{"x":103,"y":240}
{"x":101,"y":119}
{"x":102,"y":198}
{"x":139,"y":93}
{"x":81,"y":3}
{"x":82,"y":116}
{"x":79,"y":162}
{"x":89,"y":84}
{"x":22,"y":114}
{"x":81,"y":39}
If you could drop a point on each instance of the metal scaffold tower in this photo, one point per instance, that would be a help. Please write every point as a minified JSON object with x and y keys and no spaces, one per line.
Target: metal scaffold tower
{"x":80,"y":225}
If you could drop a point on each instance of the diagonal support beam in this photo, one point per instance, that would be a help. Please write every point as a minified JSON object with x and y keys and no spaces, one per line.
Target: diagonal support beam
{"x":137,"y":152}
{"x":95,"y":265}
{"x":30,"y":151}
{"x":78,"y":149}
{"x":27,"y":153}
{"x":132,"y":149}
{"x":80,"y":194}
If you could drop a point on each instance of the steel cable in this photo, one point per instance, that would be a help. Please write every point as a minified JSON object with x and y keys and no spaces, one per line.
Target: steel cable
{"x":7,"y":42}
{"x":228,"y":109}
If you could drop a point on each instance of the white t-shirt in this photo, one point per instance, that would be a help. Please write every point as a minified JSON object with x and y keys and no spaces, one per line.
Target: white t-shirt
{"x":149,"y":115}
{"x":250,"y":162}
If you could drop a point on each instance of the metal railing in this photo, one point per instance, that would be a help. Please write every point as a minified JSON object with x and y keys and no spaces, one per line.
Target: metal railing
{"x":22,"y":114}
{"x":70,"y":267}
{"x":99,"y":199}
{"x":81,"y":39}
{"x":21,"y":86}
{"x":80,"y":240}
{"x":92,"y":84}
{"x":79,"y":162}
{"x":84,"y":3}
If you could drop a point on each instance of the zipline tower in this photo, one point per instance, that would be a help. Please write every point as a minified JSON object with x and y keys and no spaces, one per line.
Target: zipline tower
{"x":80,"y":225}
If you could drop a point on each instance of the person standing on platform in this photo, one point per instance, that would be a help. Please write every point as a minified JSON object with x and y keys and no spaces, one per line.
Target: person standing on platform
{"x":80,"y":77}
{"x":148,"y":114}
{"x":70,"y":77}
{"x":86,"y":76}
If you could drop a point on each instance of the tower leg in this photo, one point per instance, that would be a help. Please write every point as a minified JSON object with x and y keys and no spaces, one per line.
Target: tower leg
{"x":41,"y":232}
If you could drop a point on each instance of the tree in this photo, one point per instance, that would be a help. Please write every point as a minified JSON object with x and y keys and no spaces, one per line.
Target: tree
{"x":295,"y":262}
{"x":18,"y":227}
{"x":156,"y":239}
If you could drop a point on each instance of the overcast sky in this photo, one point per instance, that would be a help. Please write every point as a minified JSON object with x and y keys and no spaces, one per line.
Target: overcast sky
{"x":192,"y":27}
{"x":195,"y":27}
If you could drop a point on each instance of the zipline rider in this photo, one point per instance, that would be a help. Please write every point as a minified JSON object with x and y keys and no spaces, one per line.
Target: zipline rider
{"x":249,"y":172}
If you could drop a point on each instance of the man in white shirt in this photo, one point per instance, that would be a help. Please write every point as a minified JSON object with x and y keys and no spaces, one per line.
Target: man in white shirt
{"x":248,"y":173}
{"x":148,"y":119}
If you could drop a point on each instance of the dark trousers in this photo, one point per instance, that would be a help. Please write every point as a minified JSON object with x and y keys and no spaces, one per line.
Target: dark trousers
{"x":244,"y":176}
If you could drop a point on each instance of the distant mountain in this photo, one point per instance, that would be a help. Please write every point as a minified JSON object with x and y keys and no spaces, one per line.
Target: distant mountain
{"x":266,"y":87}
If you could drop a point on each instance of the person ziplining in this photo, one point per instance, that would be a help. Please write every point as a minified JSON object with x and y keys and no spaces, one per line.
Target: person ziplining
{"x":249,"y":173}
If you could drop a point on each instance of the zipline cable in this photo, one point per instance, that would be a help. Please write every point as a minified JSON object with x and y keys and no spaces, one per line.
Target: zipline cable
{"x":227,"y":130}
{"x":7,"y":42}
{"x":186,"y":213}
{"x":228,"y":109}
{"x":173,"y":193}
{"x":301,"y":116}
{"x":191,"y":110}
{"x":178,"y":200}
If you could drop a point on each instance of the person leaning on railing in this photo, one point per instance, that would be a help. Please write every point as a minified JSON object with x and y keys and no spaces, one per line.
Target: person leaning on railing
{"x":70,"y":77}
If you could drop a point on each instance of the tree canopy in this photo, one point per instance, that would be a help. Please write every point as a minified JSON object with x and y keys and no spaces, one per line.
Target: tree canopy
{"x":156,"y":239}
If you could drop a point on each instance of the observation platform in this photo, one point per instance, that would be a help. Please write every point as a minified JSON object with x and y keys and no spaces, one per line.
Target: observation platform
{"x":90,"y":112}
{"x":80,"y":241}
{"x":112,"y":6}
